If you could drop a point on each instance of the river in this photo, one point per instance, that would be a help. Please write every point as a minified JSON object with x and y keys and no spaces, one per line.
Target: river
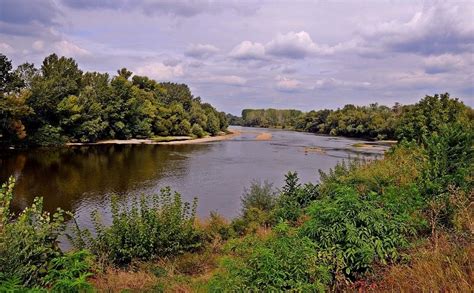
{"x":83,"y":178}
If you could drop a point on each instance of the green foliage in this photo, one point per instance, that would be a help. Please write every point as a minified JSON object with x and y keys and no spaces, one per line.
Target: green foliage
{"x":270,"y":117}
{"x":373,"y":121}
{"x":69,"y":273}
{"x":294,"y":198}
{"x":283,"y":262}
{"x":430,"y":115}
{"x":153,"y":226}
{"x":260,"y":196}
{"x":48,"y":135}
{"x":351,"y":232}
{"x":59,"y":103}
{"x":450,"y":158}
{"x":197,"y":130}
{"x":29,"y":254}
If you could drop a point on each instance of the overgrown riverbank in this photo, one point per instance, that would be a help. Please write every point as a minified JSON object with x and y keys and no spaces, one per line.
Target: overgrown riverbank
{"x":400,"y":223}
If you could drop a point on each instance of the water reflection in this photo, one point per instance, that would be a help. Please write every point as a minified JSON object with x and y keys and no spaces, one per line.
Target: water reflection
{"x":66,"y":176}
{"x":81,"y":179}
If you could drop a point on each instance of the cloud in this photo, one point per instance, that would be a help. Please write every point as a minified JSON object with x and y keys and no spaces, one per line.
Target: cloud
{"x":66,"y":48}
{"x":296,"y":46}
{"x":438,"y":29}
{"x":225,"y":79}
{"x":201,"y":50}
{"x":333,"y":83}
{"x":443,"y":63}
{"x":413,"y":80}
{"x":248,"y":51}
{"x":181,"y":8}
{"x":160,"y":71}
{"x":287,"y":84}
{"x":38,"y":45}
{"x":27,"y":12}
{"x":6,"y":48}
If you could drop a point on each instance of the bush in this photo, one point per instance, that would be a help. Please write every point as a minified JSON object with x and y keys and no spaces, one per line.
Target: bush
{"x":351,"y":232}
{"x":48,"y":136}
{"x":401,"y":167}
{"x":283,"y":262}
{"x":294,"y":198}
{"x":258,"y":202}
{"x":450,"y":158}
{"x":154,"y":226}
{"x":29,"y":254}
{"x":197,"y":130}
{"x":258,"y":196}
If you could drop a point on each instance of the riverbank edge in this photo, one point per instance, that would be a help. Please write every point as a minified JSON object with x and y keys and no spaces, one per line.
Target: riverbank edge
{"x":229,"y":135}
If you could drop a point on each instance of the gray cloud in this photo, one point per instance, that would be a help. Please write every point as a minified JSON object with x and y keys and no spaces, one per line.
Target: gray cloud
{"x":201,"y":50}
{"x":182,"y":8}
{"x":438,"y":29}
{"x":26,"y":12}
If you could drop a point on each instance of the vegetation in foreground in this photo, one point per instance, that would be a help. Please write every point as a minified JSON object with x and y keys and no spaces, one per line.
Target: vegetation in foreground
{"x":402,"y":223}
{"x":60,"y":103}
{"x":374,"y":121}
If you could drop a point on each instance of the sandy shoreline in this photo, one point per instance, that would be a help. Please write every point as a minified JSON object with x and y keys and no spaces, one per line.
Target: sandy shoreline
{"x":264,"y":136}
{"x":233,"y":133}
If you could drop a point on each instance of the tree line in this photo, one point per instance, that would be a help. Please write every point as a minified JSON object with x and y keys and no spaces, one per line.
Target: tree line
{"x":58,"y":103}
{"x":373,"y":121}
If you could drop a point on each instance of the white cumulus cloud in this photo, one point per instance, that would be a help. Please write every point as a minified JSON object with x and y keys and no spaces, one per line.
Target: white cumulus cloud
{"x":288,"y":84}
{"x":70,"y":49}
{"x":225,"y":79}
{"x":248,"y":51}
{"x":160,"y":71}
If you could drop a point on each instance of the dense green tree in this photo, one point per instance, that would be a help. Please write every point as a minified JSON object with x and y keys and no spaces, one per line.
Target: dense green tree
{"x":60,"y":103}
{"x":430,"y":115}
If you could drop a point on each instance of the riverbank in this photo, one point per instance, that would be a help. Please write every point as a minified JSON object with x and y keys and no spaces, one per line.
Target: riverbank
{"x":170,"y":140}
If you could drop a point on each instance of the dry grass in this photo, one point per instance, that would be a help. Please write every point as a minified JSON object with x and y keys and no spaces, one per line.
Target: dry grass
{"x":447,"y":268}
{"x":114,"y":280}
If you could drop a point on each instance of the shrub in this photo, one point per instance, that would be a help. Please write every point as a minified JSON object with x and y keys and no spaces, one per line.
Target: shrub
{"x":258,"y":202}
{"x":294,"y":198}
{"x":69,"y":273}
{"x":216,"y":227}
{"x":450,"y":158}
{"x":258,"y":196}
{"x":283,"y":262}
{"x":155,"y":226}
{"x":28,"y":243}
{"x":29,"y":254}
{"x":197,"y":130}
{"x":401,"y":167}
{"x":351,"y":232}
{"x":48,"y":136}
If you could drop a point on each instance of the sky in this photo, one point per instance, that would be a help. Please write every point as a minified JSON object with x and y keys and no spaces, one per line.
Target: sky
{"x":259,"y":54}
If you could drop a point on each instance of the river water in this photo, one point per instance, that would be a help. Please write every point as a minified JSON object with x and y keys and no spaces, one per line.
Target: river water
{"x":83,"y":178}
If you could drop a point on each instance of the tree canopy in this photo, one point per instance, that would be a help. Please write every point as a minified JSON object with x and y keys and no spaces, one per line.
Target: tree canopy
{"x":410,"y":122}
{"x":60,"y":103}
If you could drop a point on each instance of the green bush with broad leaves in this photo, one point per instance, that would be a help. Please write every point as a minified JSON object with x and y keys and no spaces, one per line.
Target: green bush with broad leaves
{"x":152,"y":226}
{"x":283,"y":262}
{"x":294,"y":198}
{"x":29,"y":252}
{"x":352,"y":232}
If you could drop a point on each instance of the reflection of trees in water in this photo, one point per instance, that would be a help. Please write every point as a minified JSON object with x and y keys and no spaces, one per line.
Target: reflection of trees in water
{"x":65,"y":175}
